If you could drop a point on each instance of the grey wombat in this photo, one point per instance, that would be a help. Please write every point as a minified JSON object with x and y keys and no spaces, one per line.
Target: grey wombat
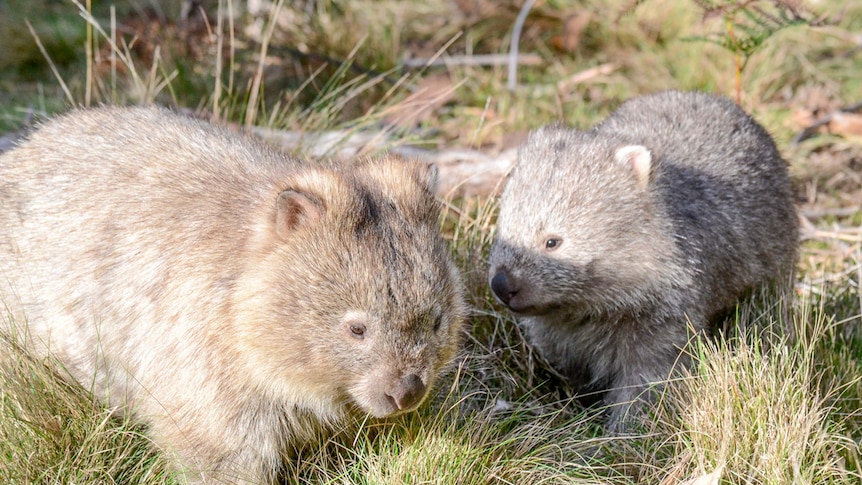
{"x":613,"y":243}
{"x":236,"y":300}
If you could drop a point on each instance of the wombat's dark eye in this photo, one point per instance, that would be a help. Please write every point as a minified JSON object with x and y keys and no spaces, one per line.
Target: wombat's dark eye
{"x":357,"y":330}
{"x":553,"y":243}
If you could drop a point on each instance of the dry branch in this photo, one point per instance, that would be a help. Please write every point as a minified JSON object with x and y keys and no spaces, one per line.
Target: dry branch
{"x":823,"y":121}
{"x":462,"y":172}
{"x":474,"y":60}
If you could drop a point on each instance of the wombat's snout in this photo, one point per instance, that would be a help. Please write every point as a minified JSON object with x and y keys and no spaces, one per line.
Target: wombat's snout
{"x":503,"y":287}
{"x":409,"y":392}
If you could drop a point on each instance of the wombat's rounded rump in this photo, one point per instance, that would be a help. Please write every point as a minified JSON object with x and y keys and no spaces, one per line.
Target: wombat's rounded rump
{"x":235,"y":299}
{"x":613,"y":243}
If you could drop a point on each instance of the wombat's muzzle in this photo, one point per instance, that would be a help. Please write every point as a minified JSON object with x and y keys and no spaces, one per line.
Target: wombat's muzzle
{"x":504,"y":288}
{"x":408,"y":392}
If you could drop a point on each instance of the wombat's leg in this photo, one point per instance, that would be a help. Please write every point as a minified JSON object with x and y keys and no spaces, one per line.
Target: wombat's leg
{"x":236,"y":468}
{"x":637,"y":386}
{"x":211,"y":449}
{"x":626,"y":406}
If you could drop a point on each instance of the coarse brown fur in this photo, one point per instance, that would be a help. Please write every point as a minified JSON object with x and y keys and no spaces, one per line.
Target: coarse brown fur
{"x":237,"y":300}
{"x":615,"y":245}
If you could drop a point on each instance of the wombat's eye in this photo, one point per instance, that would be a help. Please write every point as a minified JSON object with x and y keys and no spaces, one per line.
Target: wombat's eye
{"x":553,"y":243}
{"x":357,"y":330}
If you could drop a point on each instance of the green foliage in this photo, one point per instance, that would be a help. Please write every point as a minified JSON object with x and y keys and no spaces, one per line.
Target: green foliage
{"x":59,"y":31}
{"x":751,"y":22}
{"x":748,"y":25}
{"x":52,"y":431}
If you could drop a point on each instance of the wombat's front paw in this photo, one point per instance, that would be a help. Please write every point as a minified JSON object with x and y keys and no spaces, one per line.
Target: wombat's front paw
{"x":626,"y":410}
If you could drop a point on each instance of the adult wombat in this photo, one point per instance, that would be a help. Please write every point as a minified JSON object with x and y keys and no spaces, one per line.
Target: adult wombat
{"x":613,"y":245}
{"x":236,"y":300}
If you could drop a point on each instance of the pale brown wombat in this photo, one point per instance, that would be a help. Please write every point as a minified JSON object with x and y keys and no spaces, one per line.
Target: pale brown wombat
{"x":236,"y":300}
{"x":613,"y":245}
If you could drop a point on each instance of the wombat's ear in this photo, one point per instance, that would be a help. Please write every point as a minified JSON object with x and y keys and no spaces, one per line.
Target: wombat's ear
{"x":639,"y":159}
{"x":428,"y":174}
{"x":294,"y":210}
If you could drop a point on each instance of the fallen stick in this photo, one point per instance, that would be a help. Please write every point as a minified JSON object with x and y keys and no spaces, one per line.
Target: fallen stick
{"x":461,"y":172}
{"x":825,"y":120}
{"x":474,"y":60}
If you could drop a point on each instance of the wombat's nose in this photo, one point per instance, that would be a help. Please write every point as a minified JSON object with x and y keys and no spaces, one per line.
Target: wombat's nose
{"x":502,"y":287}
{"x":408,"y":392}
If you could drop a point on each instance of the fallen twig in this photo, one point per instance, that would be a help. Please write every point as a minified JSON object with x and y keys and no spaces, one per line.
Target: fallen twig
{"x":461,"y":172}
{"x":474,"y":60}
{"x":834,"y":212}
{"x":825,"y":120}
{"x":585,"y":75}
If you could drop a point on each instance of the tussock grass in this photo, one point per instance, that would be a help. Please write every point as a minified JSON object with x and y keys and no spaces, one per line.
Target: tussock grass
{"x":53,"y":431}
{"x":758,"y":414}
{"x":448,"y":442}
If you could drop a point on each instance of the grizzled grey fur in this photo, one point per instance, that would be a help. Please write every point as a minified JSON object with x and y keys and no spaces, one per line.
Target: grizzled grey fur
{"x":615,"y":245}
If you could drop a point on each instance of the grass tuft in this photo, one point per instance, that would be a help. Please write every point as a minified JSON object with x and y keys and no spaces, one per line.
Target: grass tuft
{"x":758,"y":413}
{"x":53,"y":431}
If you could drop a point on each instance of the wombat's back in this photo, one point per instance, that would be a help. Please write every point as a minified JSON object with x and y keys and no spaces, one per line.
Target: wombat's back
{"x":703,"y":132}
{"x":722,"y":183}
{"x":110,"y":167}
{"x":100,"y":213}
